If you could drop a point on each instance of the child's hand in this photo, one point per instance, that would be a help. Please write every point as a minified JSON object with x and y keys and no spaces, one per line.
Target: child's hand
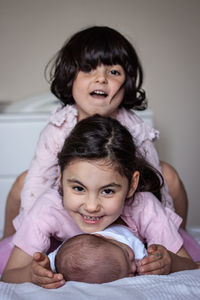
{"x":158,"y":261}
{"x":41,"y":273}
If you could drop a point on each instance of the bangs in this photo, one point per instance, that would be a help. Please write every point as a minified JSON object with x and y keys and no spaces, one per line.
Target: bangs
{"x":104,"y":50}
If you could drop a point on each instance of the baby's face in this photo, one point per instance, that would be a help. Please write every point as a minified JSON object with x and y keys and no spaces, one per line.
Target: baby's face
{"x":126,"y":256}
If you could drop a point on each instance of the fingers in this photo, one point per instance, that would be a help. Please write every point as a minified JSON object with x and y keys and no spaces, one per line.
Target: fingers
{"x":40,"y":270}
{"x":42,"y":260}
{"x":158,"y":262}
{"x":152,"y":248}
{"x":50,"y":283}
{"x":157,"y":266}
{"x":54,"y":285}
{"x":38,"y":256}
{"x":42,"y":275}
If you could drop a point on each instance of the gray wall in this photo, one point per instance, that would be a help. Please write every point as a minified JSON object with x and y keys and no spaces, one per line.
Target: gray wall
{"x":166,"y":36}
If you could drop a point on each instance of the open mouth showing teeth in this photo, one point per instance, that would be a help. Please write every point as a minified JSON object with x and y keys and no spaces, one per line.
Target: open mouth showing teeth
{"x":99,"y":93}
{"x":91,"y":218}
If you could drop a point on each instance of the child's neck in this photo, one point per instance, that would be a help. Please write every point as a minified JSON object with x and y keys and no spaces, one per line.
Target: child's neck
{"x":120,"y":222}
{"x":113,"y":116}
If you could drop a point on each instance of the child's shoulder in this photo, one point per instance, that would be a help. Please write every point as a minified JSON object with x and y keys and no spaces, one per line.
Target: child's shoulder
{"x":146,"y":200}
{"x":146,"y":205}
{"x":143,"y":203}
{"x":140,"y":130}
{"x":62,"y":114}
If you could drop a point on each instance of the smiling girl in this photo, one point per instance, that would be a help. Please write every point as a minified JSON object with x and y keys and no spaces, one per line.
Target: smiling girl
{"x":103,"y":180}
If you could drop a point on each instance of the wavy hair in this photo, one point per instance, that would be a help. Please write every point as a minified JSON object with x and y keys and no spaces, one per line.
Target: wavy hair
{"x":86,"y":50}
{"x":103,"y":138}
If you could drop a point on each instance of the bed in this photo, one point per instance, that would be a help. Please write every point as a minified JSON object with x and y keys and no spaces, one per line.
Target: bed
{"x":22,"y":123}
{"x":181,"y":285}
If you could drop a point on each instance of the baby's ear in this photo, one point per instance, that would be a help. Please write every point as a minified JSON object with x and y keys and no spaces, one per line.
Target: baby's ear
{"x":134,"y":184}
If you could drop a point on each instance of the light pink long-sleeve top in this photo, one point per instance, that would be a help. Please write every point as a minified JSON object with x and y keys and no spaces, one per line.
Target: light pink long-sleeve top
{"x":44,"y":171}
{"x":145,"y":216}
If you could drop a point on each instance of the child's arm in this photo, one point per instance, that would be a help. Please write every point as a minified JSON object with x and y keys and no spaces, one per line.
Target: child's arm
{"x":21,"y":267}
{"x":161,"y":261}
{"x":16,"y":270}
{"x":43,"y":170}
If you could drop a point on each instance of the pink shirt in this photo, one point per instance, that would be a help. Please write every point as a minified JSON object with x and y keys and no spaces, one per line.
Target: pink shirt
{"x":146,"y":217}
{"x":46,"y":218}
{"x":152,"y":223}
{"x":44,"y":172}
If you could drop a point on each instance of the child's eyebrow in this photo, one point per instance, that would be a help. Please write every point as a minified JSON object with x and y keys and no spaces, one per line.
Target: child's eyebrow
{"x":76,"y":181}
{"x":113,"y":184}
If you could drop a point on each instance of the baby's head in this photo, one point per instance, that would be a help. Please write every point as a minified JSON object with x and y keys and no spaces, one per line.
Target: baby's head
{"x":91,"y":47}
{"x":94,"y":259}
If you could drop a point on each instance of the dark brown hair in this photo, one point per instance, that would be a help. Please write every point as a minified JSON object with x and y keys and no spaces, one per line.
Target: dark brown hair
{"x":84,"y":51}
{"x":97,"y":138}
{"x":89,"y":258}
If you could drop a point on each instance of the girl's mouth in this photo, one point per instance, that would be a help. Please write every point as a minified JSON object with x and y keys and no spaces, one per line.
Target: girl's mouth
{"x":99,"y":94}
{"x":91,"y":220}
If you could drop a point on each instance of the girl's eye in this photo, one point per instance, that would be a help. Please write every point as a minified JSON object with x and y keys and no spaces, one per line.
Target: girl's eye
{"x":107,"y":192}
{"x":114,"y":72}
{"x":78,"y":189}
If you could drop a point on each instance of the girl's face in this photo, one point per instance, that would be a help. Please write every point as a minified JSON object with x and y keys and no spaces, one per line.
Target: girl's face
{"x":94,"y":193}
{"x":99,"y":91}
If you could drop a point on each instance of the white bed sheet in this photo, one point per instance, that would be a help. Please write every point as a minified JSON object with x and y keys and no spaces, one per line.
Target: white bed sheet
{"x":181,"y":285}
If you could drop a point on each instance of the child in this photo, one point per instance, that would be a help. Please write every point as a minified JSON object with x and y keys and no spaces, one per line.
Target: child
{"x":100,"y":171}
{"x":96,"y":71}
{"x":100,"y":257}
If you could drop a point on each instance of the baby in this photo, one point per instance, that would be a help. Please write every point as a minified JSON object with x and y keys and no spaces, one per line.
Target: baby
{"x":99,"y":257}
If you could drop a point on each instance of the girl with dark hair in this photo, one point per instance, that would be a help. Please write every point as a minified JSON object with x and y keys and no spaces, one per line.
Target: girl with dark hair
{"x":97,"y":71}
{"x":103,"y":180}
{"x":87,"y":50}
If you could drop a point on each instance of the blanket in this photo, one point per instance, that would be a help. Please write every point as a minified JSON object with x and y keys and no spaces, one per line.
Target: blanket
{"x":180,"y":285}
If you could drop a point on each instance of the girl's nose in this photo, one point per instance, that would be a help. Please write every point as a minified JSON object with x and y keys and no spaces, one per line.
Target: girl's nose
{"x":101,"y":76}
{"x":92,"y":205}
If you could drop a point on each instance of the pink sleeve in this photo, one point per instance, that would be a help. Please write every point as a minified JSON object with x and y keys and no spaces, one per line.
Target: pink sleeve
{"x":37,"y":236}
{"x":43,"y":171}
{"x":156,"y":224}
{"x":148,"y":150}
{"x":153,"y":223}
{"x":39,"y":223}
{"x":46,"y":218}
